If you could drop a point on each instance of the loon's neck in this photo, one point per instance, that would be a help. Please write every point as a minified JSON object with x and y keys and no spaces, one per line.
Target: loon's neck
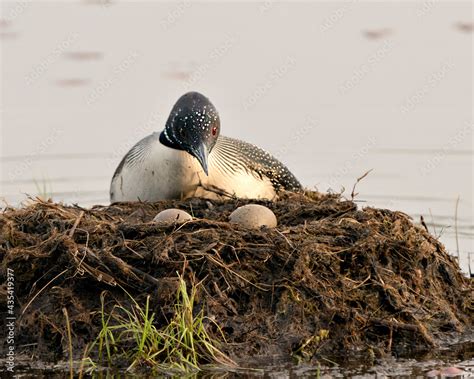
{"x":165,"y":140}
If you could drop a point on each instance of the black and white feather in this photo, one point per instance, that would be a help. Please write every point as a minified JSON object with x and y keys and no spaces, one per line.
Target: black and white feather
{"x":231,"y":155}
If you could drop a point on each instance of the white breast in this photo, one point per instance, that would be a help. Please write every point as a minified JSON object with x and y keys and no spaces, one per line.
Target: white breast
{"x":161,"y":173}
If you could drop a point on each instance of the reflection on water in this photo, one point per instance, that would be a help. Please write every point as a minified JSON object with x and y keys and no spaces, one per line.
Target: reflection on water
{"x":177,"y":75}
{"x":99,"y":2}
{"x":468,"y":153}
{"x":83,"y":55}
{"x":456,"y":362}
{"x":377,"y":33}
{"x":72,"y":82}
{"x":8,"y":35}
{"x":467,"y":27}
{"x":179,"y":70}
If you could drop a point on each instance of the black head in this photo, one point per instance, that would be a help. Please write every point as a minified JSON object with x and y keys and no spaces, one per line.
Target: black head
{"x":193,"y":126}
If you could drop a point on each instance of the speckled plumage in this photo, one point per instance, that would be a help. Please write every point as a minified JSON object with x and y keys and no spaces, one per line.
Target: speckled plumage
{"x":173,"y":164}
{"x":232,"y":155}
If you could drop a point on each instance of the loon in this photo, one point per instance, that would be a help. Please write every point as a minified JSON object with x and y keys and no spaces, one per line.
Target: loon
{"x":190,"y":158}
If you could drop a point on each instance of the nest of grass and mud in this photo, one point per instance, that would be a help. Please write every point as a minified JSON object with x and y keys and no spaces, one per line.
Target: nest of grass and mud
{"x":108,"y":284}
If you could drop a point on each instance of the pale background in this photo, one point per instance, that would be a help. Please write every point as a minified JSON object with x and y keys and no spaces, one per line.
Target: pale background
{"x":333,"y":89}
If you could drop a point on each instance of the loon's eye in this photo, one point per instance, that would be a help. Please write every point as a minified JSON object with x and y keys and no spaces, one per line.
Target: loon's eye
{"x":214,"y":130}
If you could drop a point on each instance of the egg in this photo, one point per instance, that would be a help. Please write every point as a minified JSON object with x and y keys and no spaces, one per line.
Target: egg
{"x":172,"y":216}
{"x":253,"y":216}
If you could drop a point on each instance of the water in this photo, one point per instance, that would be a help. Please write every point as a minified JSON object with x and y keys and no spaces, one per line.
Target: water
{"x":332,"y":89}
{"x":275,"y":368}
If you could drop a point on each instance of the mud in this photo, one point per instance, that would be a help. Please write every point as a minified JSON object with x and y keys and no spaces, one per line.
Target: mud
{"x":379,"y":284}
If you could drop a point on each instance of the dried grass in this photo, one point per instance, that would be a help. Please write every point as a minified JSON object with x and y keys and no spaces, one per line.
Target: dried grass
{"x":372,"y":278}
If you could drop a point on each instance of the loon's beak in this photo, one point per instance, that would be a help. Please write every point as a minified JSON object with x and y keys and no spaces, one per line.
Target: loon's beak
{"x":201,"y":154}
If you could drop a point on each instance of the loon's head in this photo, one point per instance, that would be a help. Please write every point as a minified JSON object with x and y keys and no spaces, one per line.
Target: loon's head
{"x":193,"y":126}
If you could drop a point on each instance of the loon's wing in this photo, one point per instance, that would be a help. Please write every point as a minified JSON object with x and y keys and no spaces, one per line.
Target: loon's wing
{"x":137,"y":153}
{"x":232,"y":154}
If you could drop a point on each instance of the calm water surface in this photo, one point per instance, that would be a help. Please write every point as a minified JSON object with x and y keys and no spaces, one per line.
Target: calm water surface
{"x":332,"y":89}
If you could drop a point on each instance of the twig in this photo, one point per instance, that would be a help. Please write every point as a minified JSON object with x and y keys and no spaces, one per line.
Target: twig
{"x":422,"y":221}
{"x":359,"y":284}
{"x":456,"y":226}
{"x":218,"y":191}
{"x":145,"y":276}
{"x":68,"y":328}
{"x":357,"y":182}
{"x":82,"y":267}
{"x":416,"y":328}
{"x":81,"y":368}
{"x":41,"y":290}
{"x":390,"y":337}
{"x":433,"y":222}
{"x":471,"y":264}
{"x":233,"y":272}
{"x":286,"y":239}
{"x":76,"y":223}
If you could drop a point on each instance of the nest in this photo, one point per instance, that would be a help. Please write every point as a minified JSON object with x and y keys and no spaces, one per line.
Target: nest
{"x":367,"y":280}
